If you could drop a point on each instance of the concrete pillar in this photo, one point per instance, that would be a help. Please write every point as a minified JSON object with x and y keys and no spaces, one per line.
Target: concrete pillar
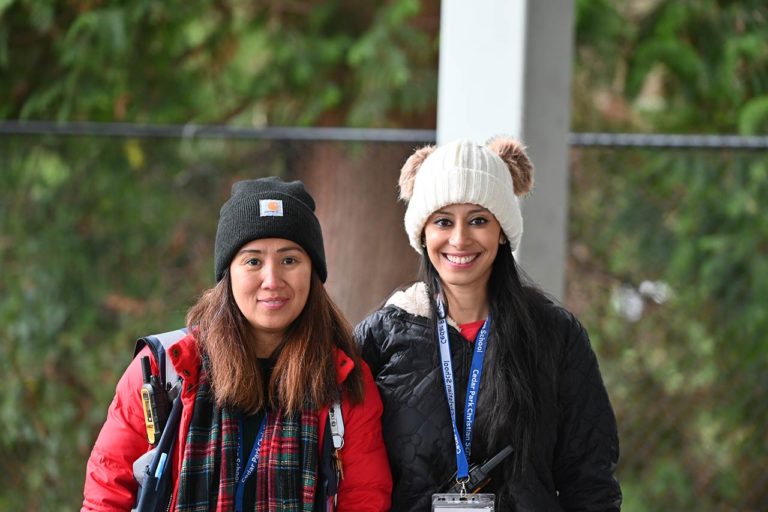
{"x":505,"y":68}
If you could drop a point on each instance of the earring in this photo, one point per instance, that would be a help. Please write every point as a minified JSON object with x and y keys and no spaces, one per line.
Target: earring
{"x":503,"y":241}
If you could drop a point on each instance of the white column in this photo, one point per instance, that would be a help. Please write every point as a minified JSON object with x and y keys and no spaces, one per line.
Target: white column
{"x":480,"y":80}
{"x":505,"y":69}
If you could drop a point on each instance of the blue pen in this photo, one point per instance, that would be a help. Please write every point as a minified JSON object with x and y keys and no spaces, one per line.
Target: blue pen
{"x":160,"y":468}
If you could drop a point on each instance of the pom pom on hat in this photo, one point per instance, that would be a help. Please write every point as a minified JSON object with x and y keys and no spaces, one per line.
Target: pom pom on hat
{"x":513,"y":153}
{"x":462,"y":172}
{"x":409,"y":170}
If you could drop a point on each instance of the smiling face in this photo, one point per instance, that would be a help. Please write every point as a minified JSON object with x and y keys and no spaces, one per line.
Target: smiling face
{"x":462,"y":241}
{"x":270,"y":282}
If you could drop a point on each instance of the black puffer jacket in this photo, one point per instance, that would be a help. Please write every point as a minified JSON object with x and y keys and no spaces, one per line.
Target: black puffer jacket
{"x":575,"y":448}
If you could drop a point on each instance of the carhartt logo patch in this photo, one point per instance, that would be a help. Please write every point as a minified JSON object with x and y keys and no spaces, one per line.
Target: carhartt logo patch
{"x":270,"y":207}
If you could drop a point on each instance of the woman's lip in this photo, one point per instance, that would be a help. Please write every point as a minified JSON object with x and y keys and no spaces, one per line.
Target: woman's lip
{"x":273,"y":302}
{"x":461,"y":260}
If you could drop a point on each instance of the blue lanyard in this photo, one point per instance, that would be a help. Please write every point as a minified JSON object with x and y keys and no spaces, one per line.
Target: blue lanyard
{"x":253,"y":461}
{"x":473,"y":387}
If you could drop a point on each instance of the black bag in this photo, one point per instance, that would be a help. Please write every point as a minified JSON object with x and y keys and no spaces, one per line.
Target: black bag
{"x":153,"y":469}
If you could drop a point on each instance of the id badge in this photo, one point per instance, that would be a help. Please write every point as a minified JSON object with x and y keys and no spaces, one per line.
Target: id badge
{"x":453,"y":502}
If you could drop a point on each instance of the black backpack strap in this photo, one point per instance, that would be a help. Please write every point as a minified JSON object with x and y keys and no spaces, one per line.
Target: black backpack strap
{"x":153,"y":469}
{"x":155,"y":491}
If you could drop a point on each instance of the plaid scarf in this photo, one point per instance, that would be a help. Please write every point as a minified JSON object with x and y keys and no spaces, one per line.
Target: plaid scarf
{"x":286,"y":476}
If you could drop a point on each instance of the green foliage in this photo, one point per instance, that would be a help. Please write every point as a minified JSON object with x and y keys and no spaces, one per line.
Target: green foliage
{"x":709,"y":61}
{"x":753,"y":119}
{"x":677,"y":56}
{"x":678,"y":65}
{"x":687,"y":378}
{"x":386,"y":73}
{"x":229,"y":61}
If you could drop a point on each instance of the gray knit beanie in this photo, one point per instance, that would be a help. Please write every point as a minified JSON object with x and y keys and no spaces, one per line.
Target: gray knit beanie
{"x":268,"y":208}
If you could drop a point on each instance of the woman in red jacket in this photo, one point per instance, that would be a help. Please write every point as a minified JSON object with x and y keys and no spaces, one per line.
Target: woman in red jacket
{"x":267,"y":354}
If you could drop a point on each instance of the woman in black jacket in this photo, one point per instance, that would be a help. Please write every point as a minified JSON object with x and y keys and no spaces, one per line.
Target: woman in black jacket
{"x":472,"y":360}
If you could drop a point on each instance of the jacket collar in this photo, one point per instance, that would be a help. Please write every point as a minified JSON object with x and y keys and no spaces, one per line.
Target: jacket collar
{"x":414,"y":300}
{"x":344,"y":365}
{"x":185,"y":357}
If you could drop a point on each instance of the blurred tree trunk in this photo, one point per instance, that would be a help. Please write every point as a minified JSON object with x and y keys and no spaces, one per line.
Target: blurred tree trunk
{"x":366,"y":246}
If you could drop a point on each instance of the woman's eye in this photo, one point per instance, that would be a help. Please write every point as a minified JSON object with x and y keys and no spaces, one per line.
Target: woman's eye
{"x":442,"y":222}
{"x":289,"y":260}
{"x":253,"y":262}
{"x":478,"y":221}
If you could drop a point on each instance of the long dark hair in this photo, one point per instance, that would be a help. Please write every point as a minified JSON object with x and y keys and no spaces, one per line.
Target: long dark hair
{"x":304,"y":372}
{"x":517,"y":361}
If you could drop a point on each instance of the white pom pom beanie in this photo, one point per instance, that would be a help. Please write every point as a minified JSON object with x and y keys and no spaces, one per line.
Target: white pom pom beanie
{"x":463,"y":172}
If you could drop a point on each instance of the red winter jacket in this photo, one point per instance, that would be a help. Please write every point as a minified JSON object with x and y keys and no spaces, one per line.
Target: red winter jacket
{"x":109,"y":482}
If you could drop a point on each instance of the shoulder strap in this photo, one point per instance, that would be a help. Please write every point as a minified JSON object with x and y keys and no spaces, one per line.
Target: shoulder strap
{"x":155,"y":478}
{"x":331,"y":461}
{"x":151,"y":469}
{"x":158,"y":344}
{"x":337,"y":425}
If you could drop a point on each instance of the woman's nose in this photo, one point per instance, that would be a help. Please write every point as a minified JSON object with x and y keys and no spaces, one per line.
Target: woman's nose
{"x":458,"y":236}
{"x":271,"y":276}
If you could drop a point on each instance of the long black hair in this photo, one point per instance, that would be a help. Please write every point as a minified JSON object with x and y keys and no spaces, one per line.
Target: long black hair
{"x":518,"y":361}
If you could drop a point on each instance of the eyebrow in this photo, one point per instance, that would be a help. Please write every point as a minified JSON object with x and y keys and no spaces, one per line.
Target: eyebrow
{"x":473,"y":211}
{"x":286,"y":248}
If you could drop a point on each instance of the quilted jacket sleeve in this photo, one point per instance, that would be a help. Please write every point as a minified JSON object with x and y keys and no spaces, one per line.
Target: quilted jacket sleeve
{"x":109,"y":482}
{"x":587,"y":450}
{"x":367,"y":482}
{"x":367,"y":334}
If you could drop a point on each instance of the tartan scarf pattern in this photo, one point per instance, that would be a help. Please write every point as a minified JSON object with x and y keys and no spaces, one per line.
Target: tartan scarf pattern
{"x":288,"y":479}
{"x":287,"y":472}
